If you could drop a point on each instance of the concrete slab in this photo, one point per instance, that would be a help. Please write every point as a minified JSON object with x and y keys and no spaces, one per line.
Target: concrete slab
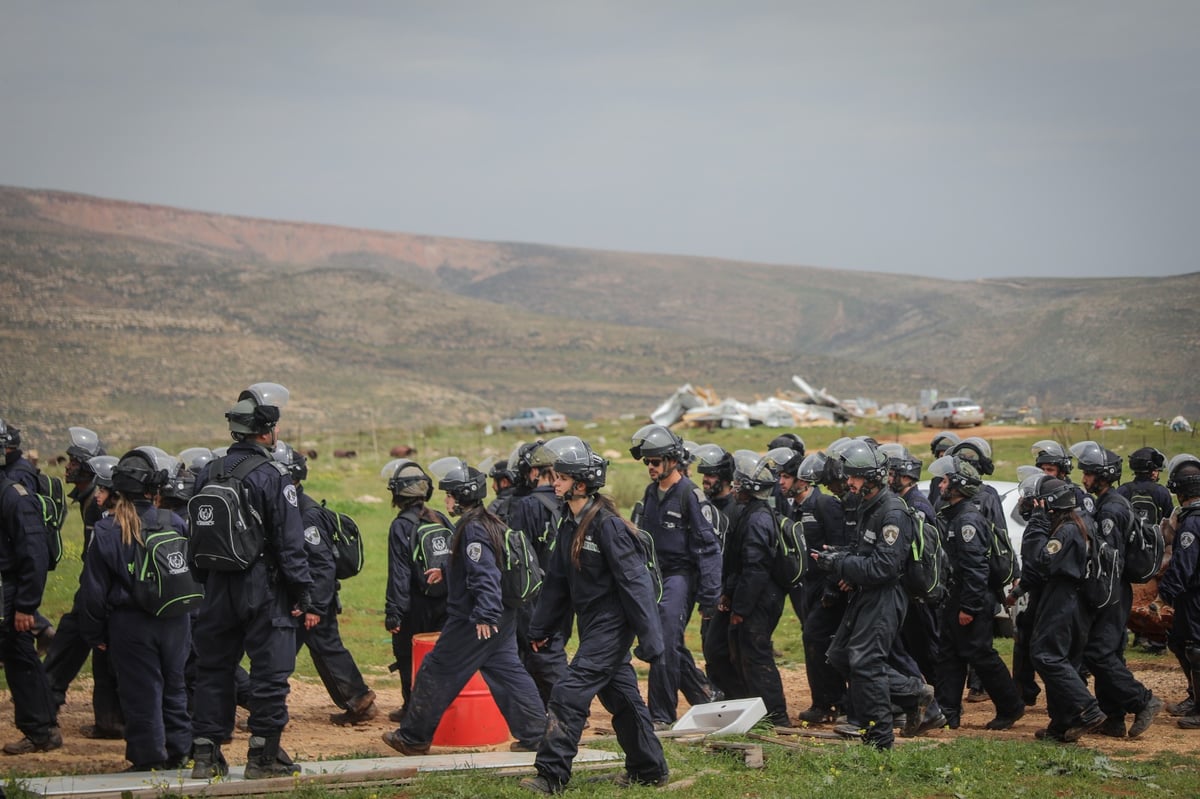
{"x":362,"y":770}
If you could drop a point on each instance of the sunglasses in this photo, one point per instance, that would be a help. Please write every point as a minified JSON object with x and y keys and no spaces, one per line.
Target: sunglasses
{"x":652,"y":461}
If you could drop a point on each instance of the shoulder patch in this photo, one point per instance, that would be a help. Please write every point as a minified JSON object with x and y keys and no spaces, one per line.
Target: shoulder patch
{"x":1107,"y":526}
{"x":968,"y":532}
{"x":289,"y":493}
{"x":475,"y":551}
{"x":891,"y":533}
{"x":1053,"y":546}
{"x":706,"y":511}
{"x":20,"y":489}
{"x":1186,"y":540}
{"x":312,"y":536}
{"x":1089,"y":505}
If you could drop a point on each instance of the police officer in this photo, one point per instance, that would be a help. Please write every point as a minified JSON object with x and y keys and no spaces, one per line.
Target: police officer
{"x":24,"y":558}
{"x":689,"y":555}
{"x":333,"y":662}
{"x":537,"y":514}
{"x":1146,"y":464}
{"x":1180,"y":584}
{"x":865,"y":639}
{"x":69,"y":651}
{"x":1117,"y":691}
{"x":504,"y":484}
{"x":147,"y":652}
{"x":715,"y":466}
{"x":824,"y":603}
{"x":940,"y":444}
{"x":1059,"y":534}
{"x":415,"y":600}
{"x":598,"y":573}
{"x":978,"y":453}
{"x":480,"y":631}
{"x":1023,"y":595}
{"x":751,"y":596}
{"x":1053,"y":459}
{"x":966,"y":624}
{"x":242,"y":610}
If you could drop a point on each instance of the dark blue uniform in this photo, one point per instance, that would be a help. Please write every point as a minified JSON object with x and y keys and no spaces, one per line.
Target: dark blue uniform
{"x":824,"y":603}
{"x":611,"y":595}
{"x":249,"y":612}
{"x":473,"y":597}
{"x":69,"y":651}
{"x":1159,"y":494}
{"x":333,"y":662}
{"x":537,"y":515}
{"x":1060,"y":619}
{"x":756,"y":597}
{"x":23,"y":560}
{"x":406,"y":604}
{"x":920,"y":635}
{"x":1180,"y":587}
{"x":968,"y":537}
{"x":690,"y":558}
{"x":1104,"y":655}
{"x":148,"y":653}
{"x":865,"y":639}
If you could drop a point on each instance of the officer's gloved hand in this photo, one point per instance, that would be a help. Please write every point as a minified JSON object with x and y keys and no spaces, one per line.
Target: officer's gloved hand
{"x":827,"y":560}
{"x":391,"y":622}
{"x":304,"y":603}
{"x":650,"y":656}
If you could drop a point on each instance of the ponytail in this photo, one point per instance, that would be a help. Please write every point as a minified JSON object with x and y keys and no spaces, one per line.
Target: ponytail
{"x":128,"y":519}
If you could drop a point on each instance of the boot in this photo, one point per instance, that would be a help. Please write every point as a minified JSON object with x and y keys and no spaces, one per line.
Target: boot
{"x":266,"y":759}
{"x":207,"y":760}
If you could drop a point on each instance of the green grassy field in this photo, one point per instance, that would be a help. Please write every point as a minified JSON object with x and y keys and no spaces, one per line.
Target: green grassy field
{"x":962,"y":767}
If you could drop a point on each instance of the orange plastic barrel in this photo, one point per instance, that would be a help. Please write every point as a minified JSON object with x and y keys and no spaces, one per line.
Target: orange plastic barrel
{"x":472,"y":718}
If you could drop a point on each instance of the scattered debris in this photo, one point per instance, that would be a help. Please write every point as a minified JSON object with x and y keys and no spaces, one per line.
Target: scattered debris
{"x":701,"y":407}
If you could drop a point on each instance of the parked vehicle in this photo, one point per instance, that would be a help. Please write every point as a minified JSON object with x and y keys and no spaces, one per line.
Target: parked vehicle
{"x":953,"y":412}
{"x":536,"y":420}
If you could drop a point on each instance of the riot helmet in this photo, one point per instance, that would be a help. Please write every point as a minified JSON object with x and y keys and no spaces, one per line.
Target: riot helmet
{"x":961,"y":475}
{"x":297,"y":464}
{"x":539,"y":457}
{"x":975,"y":450}
{"x":407,"y":481}
{"x":102,"y":467}
{"x":466,"y":484}
{"x":518,"y":461}
{"x":196,"y":458}
{"x":141,"y":471}
{"x":754,"y":474}
{"x":1031,"y":479}
{"x":84,"y":444}
{"x":942,"y":442}
{"x":1058,"y":495}
{"x":257,"y":409}
{"x":1146,"y":460}
{"x":572,"y":457}
{"x":10,"y":437}
{"x":1098,"y":461}
{"x":657,"y":441}
{"x":861,"y":459}
{"x":812,"y":468}
{"x":713,"y":459}
{"x":497,"y":469}
{"x":789,"y":440}
{"x":1183,"y":476}
{"x":901,"y":463}
{"x":1051,"y":453}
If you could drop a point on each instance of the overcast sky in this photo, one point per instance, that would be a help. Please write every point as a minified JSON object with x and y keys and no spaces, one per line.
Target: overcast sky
{"x":957,"y":138}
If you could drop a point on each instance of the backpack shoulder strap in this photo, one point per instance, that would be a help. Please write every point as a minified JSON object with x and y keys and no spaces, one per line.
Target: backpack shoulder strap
{"x":551,"y":504}
{"x":248,"y":464}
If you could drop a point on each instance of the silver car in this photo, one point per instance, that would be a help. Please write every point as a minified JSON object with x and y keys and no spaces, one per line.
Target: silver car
{"x":537,"y":420}
{"x":953,"y":412}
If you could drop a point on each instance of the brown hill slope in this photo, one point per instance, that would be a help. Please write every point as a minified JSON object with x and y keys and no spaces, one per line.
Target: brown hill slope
{"x":132,"y":315}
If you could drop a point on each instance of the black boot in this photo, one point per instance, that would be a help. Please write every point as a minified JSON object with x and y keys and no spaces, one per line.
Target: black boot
{"x":207,"y":760}
{"x":267,"y":759}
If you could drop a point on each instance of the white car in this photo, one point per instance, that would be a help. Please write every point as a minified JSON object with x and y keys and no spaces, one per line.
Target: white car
{"x":535,"y":420}
{"x":953,"y":412}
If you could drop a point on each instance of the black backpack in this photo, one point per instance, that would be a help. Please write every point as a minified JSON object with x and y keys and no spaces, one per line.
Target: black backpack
{"x":430,"y":544}
{"x":928,"y":566}
{"x":1003,"y":570}
{"x":520,"y":571}
{"x":1144,"y":541}
{"x":348,"y":551}
{"x":791,"y":553}
{"x":643,"y":544}
{"x":51,"y":498}
{"x":1101,"y":585}
{"x":547,"y":537}
{"x":227,"y":531}
{"x":163,"y":583}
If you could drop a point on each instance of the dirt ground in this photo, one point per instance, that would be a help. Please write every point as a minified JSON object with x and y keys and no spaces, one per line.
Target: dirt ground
{"x":310,"y":736}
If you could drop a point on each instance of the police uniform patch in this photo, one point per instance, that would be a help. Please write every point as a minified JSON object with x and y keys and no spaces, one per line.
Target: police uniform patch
{"x":1186,"y":540}
{"x":289,"y":493}
{"x":1089,"y":506}
{"x":1107,"y":526}
{"x":312,"y":535}
{"x":968,"y":533}
{"x":707,"y":512}
{"x":440,"y":546}
{"x":1053,"y":546}
{"x":475,"y":551}
{"x":890,"y":533}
